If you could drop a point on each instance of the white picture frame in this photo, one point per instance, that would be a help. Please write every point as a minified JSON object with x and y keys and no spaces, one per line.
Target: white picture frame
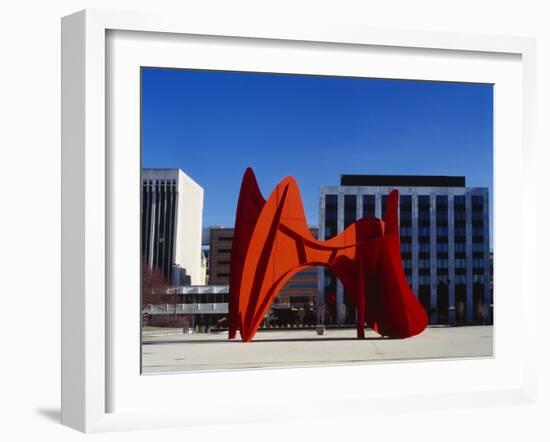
{"x":95,"y":360}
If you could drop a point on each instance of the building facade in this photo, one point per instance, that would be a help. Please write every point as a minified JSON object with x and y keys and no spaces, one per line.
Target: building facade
{"x":191,"y":307}
{"x":444,"y":234}
{"x":219,"y":255}
{"x":171,"y":225}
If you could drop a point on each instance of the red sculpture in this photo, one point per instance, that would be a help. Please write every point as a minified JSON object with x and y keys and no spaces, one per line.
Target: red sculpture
{"x":272,"y":243}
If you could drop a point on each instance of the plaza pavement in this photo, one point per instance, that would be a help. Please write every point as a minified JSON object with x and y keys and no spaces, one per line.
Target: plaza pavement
{"x":178,"y":352}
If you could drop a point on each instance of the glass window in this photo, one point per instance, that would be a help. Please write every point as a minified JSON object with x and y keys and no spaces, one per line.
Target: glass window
{"x":460,"y":279}
{"x":460,"y":263}
{"x":424,"y":247}
{"x":423,"y":231}
{"x":303,"y":286}
{"x":477,"y":216}
{"x":424,"y":203}
{"x":424,"y":217}
{"x":477,"y":231}
{"x":479,"y":263}
{"x":442,"y":247}
{"x":331,"y":207}
{"x":369,"y":205}
{"x":424,"y":280}
{"x":460,"y":216}
{"x":350,"y":209}
{"x":405,"y":231}
{"x":331,"y":215}
{"x":460,"y":231}
{"x":406,"y":202}
{"x":477,"y":199}
{"x":460,"y":200}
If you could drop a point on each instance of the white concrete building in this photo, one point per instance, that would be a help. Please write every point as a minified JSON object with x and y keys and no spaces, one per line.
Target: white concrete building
{"x":171,"y":225}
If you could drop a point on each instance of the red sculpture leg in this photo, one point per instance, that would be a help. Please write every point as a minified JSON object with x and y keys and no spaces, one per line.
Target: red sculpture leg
{"x":392,"y":308}
{"x":249,"y":207}
{"x":360,"y":302}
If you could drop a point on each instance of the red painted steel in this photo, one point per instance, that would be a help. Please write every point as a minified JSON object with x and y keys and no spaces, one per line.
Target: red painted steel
{"x":272,"y":242}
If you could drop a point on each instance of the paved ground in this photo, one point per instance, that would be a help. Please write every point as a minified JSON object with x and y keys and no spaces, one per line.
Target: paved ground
{"x":177,"y":352}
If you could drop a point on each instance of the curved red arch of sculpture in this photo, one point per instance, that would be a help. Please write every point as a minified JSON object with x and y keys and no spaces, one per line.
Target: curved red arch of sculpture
{"x":272,"y":242}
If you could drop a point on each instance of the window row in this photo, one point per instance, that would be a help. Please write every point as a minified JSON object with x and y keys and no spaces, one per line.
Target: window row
{"x":478,"y":263}
{"x":405,"y":201}
{"x":405,"y":231}
{"x":460,"y":263}
{"x":458,"y":280}
{"x":424,"y":279}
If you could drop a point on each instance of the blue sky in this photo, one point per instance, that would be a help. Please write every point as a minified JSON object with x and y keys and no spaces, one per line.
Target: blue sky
{"x":214,"y":124}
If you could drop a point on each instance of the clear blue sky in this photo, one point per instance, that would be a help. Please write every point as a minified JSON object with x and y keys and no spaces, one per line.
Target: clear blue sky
{"x":213,"y":125}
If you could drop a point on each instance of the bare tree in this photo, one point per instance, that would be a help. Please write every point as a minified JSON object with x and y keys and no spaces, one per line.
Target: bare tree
{"x":154,"y":287}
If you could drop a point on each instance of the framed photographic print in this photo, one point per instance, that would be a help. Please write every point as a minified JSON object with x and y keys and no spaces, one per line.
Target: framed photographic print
{"x":251,"y":209}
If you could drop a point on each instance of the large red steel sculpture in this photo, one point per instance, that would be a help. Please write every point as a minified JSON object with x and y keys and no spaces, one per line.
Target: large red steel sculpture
{"x":272,"y":243}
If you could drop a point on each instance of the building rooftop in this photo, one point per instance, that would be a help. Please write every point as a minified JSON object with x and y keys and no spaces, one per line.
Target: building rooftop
{"x":168,"y":174}
{"x":403,"y":180}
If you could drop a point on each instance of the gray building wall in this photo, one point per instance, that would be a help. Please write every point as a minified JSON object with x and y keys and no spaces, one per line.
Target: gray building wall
{"x":434,"y":280}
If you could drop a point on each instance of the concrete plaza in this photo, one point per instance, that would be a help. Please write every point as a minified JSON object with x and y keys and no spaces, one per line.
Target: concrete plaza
{"x":177,"y":352}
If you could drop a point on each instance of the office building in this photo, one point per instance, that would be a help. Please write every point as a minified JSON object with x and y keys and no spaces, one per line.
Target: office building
{"x":219,"y":255}
{"x":196,"y":307}
{"x":444,"y":234}
{"x":171,"y":225}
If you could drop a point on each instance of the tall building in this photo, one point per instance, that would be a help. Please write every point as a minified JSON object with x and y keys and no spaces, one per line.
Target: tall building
{"x":171,"y":225}
{"x":221,"y":239}
{"x":444,"y":233}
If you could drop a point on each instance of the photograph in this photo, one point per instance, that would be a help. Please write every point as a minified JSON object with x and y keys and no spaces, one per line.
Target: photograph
{"x":282,"y":220}
{"x":293,"y":220}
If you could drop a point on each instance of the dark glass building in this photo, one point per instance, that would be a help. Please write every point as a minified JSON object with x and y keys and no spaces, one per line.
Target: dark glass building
{"x":444,"y":234}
